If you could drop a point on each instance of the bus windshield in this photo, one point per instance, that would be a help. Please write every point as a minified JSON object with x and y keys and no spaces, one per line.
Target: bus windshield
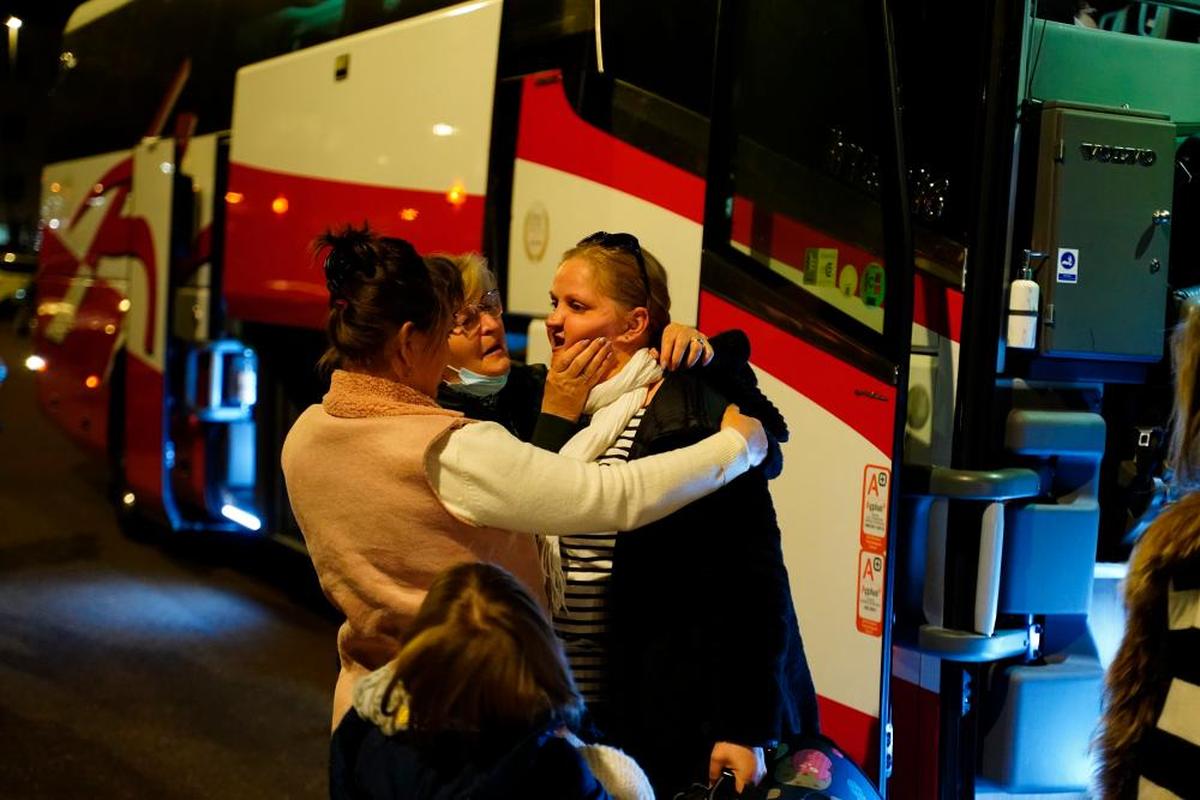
{"x":120,"y":59}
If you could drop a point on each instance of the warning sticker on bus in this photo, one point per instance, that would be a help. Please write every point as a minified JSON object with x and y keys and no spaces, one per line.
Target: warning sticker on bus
{"x":873,"y":530}
{"x":870,"y":593}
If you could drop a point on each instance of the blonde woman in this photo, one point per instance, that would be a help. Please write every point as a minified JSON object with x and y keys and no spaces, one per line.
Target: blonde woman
{"x":537,"y":403}
{"x":682,"y":632}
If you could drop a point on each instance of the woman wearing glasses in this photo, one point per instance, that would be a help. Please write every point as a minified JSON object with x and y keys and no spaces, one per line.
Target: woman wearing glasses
{"x":536,"y":403}
{"x":681,"y":634}
{"x":389,"y":488}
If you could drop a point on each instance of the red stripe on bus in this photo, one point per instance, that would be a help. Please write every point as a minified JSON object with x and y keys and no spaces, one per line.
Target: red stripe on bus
{"x":553,"y":135}
{"x":856,"y":733}
{"x":273,"y":217}
{"x":844,"y":391}
{"x":917,"y":712}
{"x":937,"y":306}
{"x":143,"y":446}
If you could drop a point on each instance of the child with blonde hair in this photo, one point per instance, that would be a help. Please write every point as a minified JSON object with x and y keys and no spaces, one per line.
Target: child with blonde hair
{"x":478,"y":703}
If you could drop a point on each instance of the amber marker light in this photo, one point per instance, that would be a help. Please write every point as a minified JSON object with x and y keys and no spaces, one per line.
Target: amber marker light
{"x":124,"y":305}
{"x":279,"y":205}
{"x":56,"y":187}
{"x":409,"y":214}
{"x":92,"y":381}
{"x":457,"y":195}
{"x":233,"y":198}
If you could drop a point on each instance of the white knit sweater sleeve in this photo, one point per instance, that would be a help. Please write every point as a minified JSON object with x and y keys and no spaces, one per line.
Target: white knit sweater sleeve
{"x":485,"y":476}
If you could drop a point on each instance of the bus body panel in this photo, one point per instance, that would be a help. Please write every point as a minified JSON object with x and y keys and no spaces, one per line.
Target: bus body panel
{"x":104,"y":282}
{"x":147,"y":454}
{"x":400,"y":141}
{"x":77,"y":331}
{"x":84,"y":266}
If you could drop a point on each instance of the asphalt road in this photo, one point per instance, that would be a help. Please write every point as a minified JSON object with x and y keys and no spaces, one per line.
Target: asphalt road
{"x":145,"y":669}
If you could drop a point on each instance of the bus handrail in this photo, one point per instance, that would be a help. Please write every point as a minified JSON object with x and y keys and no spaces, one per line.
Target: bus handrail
{"x":994,"y":485}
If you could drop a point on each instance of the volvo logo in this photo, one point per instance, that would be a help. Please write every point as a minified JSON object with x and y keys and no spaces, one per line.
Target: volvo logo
{"x":1113,"y":154}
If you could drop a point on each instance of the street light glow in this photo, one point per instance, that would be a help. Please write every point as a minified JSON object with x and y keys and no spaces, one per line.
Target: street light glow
{"x":14,"y":25}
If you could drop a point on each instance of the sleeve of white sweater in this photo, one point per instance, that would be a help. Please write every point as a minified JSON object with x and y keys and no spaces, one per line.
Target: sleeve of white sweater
{"x":485,"y":476}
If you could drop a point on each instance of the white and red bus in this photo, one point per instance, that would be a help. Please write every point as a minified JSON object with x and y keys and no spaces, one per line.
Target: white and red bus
{"x":762,"y":151}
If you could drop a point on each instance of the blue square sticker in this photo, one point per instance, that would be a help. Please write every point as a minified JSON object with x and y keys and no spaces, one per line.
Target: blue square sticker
{"x":1068,"y":265}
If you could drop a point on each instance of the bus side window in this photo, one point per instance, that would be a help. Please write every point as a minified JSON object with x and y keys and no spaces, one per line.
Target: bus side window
{"x":656,"y":88}
{"x":361,"y":15}
{"x":664,"y":48}
{"x":806,"y":159}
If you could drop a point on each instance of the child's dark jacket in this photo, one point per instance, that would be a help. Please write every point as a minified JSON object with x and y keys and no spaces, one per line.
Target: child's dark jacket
{"x":407,"y":765}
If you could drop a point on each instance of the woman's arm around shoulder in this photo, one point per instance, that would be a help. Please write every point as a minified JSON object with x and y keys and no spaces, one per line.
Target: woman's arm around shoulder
{"x":486,"y":477}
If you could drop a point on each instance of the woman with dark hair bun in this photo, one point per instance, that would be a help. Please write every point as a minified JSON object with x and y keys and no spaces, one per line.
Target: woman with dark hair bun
{"x":389,"y":489}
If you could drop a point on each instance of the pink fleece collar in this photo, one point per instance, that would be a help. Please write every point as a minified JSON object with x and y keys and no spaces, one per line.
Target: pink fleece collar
{"x":355,"y":394}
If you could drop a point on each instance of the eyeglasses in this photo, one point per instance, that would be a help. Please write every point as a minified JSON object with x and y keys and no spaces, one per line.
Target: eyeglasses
{"x":466,"y":319}
{"x":626,"y":242}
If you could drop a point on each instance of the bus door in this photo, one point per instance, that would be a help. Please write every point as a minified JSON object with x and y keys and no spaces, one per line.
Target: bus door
{"x":148,"y":459}
{"x":806,"y":249}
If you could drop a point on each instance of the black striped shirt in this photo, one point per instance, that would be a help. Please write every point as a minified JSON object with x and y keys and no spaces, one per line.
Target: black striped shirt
{"x":1170,"y":752}
{"x":587,"y":564}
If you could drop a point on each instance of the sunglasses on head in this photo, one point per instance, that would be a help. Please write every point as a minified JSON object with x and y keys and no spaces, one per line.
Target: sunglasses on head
{"x":466,"y":319}
{"x":626,"y":242}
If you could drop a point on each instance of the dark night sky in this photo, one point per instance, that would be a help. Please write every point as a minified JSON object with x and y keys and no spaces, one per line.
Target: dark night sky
{"x":23,"y":90}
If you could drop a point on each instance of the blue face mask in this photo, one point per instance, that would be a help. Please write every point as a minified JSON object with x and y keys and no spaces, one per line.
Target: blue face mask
{"x":477,"y":385}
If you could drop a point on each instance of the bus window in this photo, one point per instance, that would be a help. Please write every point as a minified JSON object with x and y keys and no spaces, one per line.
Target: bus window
{"x":362,"y":15}
{"x":117,"y":63}
{"x":1159,"y":20}
{"x":267,"y":28}
{"x":805,"y":165}
{"x":663,"y":48}
{"x":655,"y":91}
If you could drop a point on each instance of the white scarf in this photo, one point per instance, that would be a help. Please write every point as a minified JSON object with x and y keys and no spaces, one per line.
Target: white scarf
{"x":611,"y":405}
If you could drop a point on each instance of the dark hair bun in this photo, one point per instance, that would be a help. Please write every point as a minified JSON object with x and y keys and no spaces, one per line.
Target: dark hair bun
{"x":402,"y":248}
{"x":376,"y":285}
{"x":351,"y":258}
